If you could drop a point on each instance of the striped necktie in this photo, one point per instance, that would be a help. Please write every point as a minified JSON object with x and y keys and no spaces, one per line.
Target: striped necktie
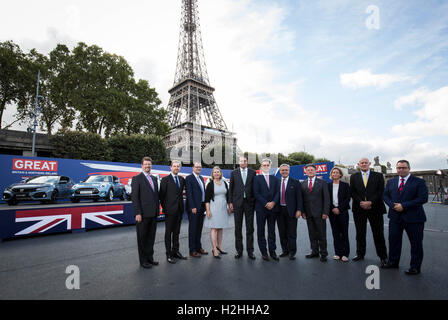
{"x":400,"y":188}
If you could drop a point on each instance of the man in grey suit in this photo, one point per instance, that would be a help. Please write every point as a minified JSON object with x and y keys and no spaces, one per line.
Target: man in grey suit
{"x":316,"y":203}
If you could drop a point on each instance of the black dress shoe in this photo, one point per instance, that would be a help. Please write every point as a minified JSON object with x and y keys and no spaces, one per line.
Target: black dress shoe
{"x":383,"y":262}
{"x":358,"y":258}
{"x":238,"y":255}
{"x":146,"y":265}
{"x":412,"y":272}
{"x":179,"y":256}
{"x":251,"y":256}
{"x":323,"y":259}
{"x":274,"y":256}
{"x":292,"y":257}
{"x":265,"y":258}
{"x":284,"y":254}
{"x":312,"y":255}
{"x":171,"y":260}
{"x":390,"y":266}
{"x":154,"y":263}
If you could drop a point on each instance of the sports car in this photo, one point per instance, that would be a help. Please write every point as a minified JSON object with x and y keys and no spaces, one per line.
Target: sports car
{"x":46,"y":189}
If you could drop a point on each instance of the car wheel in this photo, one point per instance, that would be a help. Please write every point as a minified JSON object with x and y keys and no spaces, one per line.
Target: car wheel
{"x":12,"y":202}
{"x":54,"y":196}
{"x":110,"y":195}
{"x":123,"y":195}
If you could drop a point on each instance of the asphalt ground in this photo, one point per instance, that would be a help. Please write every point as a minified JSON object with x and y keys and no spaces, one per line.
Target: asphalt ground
{"x":35,"y":268}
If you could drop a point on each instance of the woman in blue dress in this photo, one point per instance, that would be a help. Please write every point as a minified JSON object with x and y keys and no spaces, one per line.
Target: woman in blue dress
{"x":217,"y":209}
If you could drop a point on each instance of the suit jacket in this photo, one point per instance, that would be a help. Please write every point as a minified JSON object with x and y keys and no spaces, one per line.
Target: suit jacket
{"x":237,"y":188}
{"x":171,"y":196}
{"x":373,"y":192}
{"x":316,"y":203}
{"x":293,"y":196}
{"x":412,"y":198}
{"x":263,"y":194}
{"x":145,"y":200}
{"x":194,"y":192}
{"x":343,"y":196}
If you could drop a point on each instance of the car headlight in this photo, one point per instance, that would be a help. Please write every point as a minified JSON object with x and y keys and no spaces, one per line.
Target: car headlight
{"x":75,"y":187}
{"x":103,"y":186}
{"x":43,"y":189}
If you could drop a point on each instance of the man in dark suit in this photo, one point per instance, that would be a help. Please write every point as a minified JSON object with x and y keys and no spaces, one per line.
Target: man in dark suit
{"x":242,"y":204}
{"x":291,"y":207}
{"x":266,"y":192}
{"x":145,"y":201}
{"x":405,"y":196}
{"x":366,"y":189}
{"x":195,"y":189}
{"x":316,"y":205}
{"x":171,"y":197}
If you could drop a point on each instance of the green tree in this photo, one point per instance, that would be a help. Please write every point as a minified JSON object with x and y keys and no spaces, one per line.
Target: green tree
{"x":301,"y":157}
{"x":133,"y":148}
{"x":13,"y":78}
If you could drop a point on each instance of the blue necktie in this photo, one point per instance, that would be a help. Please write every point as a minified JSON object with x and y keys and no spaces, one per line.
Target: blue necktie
{"x":177,"y":182}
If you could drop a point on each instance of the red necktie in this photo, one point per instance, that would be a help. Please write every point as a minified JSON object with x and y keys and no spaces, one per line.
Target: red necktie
{"x":310,"y":186}
{"x":400,"y":188}
{"x":150,"y":182}
{"x":283,"y":192}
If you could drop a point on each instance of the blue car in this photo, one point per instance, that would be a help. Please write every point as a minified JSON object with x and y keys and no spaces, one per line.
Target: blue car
{"x":106,"y":187}
{"x":46,"y":189}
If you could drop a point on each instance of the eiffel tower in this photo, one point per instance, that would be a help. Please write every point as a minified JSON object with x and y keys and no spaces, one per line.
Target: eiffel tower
{"x":194,"y":117}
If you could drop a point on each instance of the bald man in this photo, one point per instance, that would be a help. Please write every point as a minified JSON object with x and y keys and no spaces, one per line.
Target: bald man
{"x":366,"y":188}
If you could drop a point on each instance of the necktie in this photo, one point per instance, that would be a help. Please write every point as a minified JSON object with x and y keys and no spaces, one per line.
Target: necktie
{"x":177,"y":182}
{"x":202,"y":188}
{"x":310,"y":185}
{"x":150,"y":182}
{"x":364,"y":179}
{"x":400,"y":188}
{"x":267,"y":180}
{"x":244,"y":176}
{"x":283,"y":192}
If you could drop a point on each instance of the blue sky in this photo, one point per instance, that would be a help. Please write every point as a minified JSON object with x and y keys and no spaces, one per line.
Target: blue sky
{"x":289,"y":75}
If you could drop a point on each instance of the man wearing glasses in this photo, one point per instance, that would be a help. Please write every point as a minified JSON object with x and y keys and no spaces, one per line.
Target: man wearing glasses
{"x":405,"y":196}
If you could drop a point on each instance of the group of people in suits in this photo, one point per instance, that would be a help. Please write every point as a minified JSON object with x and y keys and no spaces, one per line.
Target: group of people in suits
{"x":283,"y":201}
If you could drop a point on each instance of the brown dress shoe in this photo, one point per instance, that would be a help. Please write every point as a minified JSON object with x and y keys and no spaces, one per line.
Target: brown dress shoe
{"x":195,"y":254}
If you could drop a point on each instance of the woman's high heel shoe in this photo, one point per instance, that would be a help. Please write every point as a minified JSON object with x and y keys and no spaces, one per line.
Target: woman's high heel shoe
{"x":216,"y":256}
{"x":221,"y":251}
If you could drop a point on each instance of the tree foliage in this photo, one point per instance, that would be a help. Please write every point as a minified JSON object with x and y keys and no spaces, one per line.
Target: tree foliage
{"x":84,"y":88}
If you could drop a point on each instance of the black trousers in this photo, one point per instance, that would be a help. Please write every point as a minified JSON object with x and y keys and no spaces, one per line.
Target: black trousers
{"x":287,"y":230}
{"x":246,"y":211}
{"x":317,"y":231}
{"x":195,"y":225}
{"x":339,"y":227}
{"x":376,"y":222}
{"x":146,"y":235}
{"x":415,"y":235}
{"x":172,"y":230}
{"x":262,"y":218}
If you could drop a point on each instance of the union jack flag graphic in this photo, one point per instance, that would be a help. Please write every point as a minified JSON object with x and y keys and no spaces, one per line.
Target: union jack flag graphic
{"x":74,"y":216}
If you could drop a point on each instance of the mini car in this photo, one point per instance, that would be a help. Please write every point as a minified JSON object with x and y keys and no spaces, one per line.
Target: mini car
{"x":46,"y":189}
{"x":97,"y":187}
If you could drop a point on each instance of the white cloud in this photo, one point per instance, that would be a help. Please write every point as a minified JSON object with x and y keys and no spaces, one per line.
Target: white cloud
{"x":432,"y":118}
{"x":364,"y":78}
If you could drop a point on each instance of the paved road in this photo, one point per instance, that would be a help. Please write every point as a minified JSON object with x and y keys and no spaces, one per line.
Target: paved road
{"x":34,"y":268}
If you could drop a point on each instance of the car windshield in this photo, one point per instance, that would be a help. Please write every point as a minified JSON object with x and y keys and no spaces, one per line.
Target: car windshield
{"x":98,"y":179}
{"x":43,"y":180}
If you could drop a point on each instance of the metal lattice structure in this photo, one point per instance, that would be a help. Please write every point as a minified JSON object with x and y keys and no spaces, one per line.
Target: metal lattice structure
{"x":192,"y":99}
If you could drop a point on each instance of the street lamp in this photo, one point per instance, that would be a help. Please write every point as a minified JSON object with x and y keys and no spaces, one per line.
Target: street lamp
{"x":34,"y":115}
